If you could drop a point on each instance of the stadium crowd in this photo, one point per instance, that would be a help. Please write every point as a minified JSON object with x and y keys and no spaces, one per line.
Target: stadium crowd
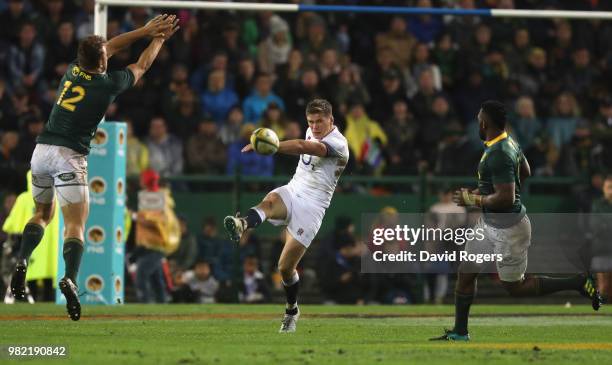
{"x":405,"y":90}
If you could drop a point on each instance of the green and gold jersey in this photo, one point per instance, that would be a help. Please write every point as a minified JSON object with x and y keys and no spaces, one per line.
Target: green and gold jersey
{"x":81,"y":103}
{"x":501,"y":164}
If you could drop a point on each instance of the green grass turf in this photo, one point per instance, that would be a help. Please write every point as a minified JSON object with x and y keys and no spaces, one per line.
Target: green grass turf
{"x":240,"y":334}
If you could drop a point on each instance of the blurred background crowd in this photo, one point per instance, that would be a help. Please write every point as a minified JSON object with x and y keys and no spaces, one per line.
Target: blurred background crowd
{"x":406,"y":91}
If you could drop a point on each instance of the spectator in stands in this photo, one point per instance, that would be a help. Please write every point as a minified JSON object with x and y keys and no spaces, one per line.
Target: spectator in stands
{"x":177,"y":85}
{"x":398,"y":41}
{"x":33,"y":127}
{"x":229,"y":132}
{"x":425,"y":27}
{"x":137,"y":159}
{"x":434,"y":125}
{"x":274,"y":119}
{"x":384,"y":62}
{"x":445,"y":56}
{"x":517,"y":54}
{"x":421,"y":61}
{"x":245,"y":80}
{"x":403,"y":147}
{"x":215,"y":250}
{"x":84,"y":19}
{"x":289,"y":74}
{"x":12,"y":19}
{"x":8,"y":120}
{"x":341,"y":282}
{"x":205,"y":152}
{"x":274,"y":50}
{"x":9,"y":161}
{"x":300,"y":93}
{"x":254,"y":286}
{"x":247,"y":163}
{"x":50,"y":20}
{"x":366,"y":138}
{"x":350,"y":87}
{"x":258,"y":101}
{"x":329,"y":70}
{"x":564,"y":118}
{"x":524,"y":123}
{"x":218,"y":98}
{"x":381,"y":107}
{"x":165,"y":150}
{"x":582,"y":77}
{"x":455,"y":157}
{"x":317,"y":40}
{"x":186,"y":115}
{"x":26,"y":61}
{"x":187,"y":253}
{"x":423,"y":99}
{"x":197,"y":285}
{"x":62,"y":53}
{"x":602,"y":134}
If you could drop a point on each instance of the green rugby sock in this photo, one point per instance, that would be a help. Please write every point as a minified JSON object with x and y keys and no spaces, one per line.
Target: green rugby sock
{"x":463,"y":302}
{"x":548,"y":285}
{"x":73,"y":251}
{"x":32,"y":234}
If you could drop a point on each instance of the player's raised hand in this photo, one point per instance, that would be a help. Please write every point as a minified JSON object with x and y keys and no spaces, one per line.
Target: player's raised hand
{"x":171,"y":29}
{"x":247,"y":148}
{"x":158,"y":26}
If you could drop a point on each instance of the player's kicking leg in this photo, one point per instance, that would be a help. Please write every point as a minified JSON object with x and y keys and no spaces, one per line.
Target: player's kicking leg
{"x":32,"y":235}
{"x":271,"y":207}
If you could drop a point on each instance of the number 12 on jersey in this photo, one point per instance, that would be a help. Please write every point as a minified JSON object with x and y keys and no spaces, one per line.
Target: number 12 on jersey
{"x":68,"y":103}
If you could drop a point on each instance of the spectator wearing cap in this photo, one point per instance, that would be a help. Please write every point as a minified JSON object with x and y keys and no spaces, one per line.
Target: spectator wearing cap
{"x":365,"y":138}
{"x":205,"y":152}
{"x":251,"y":164}
{"x":26,"y":61}
{"x":274,"y":49}
{"x":218,"y":97}
{"x":258,"y":101}
{"x":398,"y":40}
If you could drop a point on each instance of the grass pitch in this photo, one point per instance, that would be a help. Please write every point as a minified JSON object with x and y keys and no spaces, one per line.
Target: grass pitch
{"x":241,"y":334}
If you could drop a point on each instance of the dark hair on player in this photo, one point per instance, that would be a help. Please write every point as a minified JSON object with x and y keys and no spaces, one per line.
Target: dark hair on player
{"x":316,"y":106}
{"x":495,"y":112}
{"x":90,"y":52}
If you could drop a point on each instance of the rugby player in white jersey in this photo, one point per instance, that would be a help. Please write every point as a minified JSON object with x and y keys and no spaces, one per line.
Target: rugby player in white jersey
{"x":301,"y":204}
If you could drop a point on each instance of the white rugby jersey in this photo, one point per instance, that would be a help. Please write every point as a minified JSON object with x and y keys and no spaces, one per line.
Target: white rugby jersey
{"x":315,"y":177}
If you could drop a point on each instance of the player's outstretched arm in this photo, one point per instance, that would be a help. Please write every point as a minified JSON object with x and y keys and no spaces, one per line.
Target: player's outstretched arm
{"x":156,"y":27}
{"x":303,"y":147}
{"x":150,"y":53}
{"x":297,"y":147}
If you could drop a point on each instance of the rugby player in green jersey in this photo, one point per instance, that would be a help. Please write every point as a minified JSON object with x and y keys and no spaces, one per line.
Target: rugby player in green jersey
{"x":506,"y":227}
{"x":59,"y":161}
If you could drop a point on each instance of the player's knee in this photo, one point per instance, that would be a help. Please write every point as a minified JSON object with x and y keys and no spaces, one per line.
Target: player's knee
{"x":74,"y":230}
{"x":285,"y":269}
